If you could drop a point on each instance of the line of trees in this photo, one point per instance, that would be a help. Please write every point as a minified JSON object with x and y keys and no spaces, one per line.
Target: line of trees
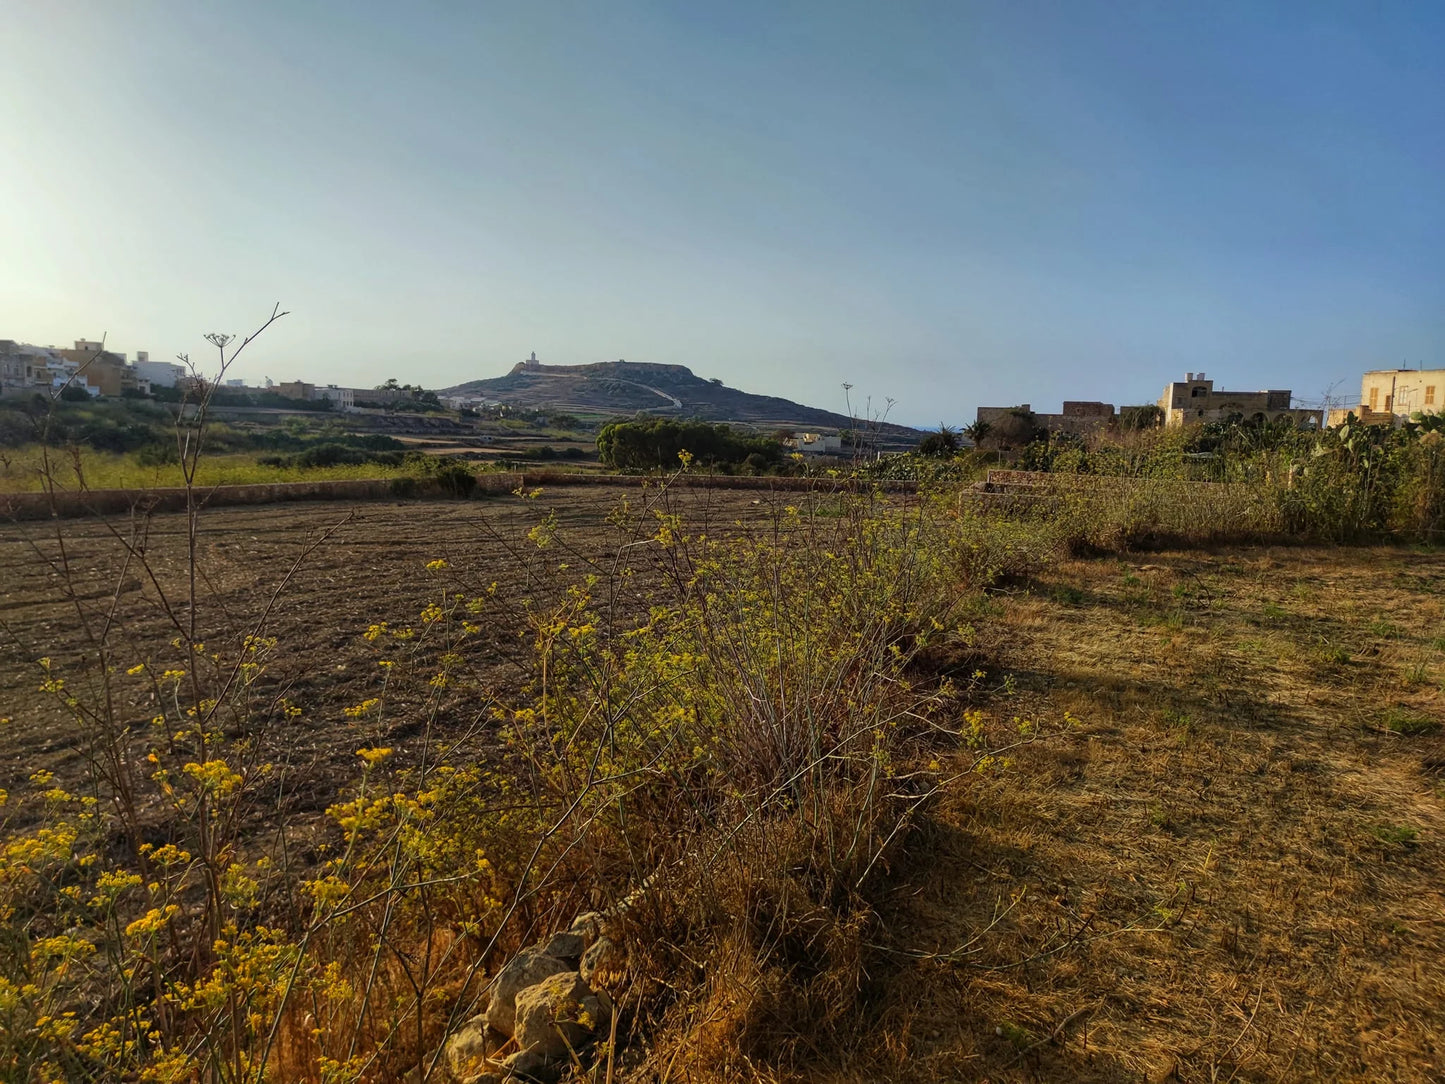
{"x":647,"y":444}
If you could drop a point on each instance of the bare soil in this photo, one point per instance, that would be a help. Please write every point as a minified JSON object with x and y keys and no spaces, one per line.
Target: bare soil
{"x":320,"y":574}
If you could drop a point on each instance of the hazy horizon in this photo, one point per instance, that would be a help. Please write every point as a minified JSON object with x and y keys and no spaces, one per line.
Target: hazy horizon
{"x":949,"y":205}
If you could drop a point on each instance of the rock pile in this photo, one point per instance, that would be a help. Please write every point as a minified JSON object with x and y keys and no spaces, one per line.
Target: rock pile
{"x":548,"y":999}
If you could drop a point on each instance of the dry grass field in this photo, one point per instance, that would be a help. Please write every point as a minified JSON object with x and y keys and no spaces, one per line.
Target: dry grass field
{"x":1212,"y":852}
{"x":1226,"y":866}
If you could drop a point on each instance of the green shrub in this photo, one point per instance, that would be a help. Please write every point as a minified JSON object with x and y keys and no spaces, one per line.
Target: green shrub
{"x":657,"y":443}
{"x":455,"y":480}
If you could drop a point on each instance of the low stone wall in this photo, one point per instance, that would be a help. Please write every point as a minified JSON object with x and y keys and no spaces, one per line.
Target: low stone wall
{"x":112,"y":502}
{"x":706,"y":481}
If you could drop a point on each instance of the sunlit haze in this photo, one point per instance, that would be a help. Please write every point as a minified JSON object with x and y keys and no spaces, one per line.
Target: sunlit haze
{"x":945,"y":205}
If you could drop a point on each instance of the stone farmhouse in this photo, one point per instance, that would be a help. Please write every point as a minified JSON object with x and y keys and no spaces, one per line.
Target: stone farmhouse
{"x":1075,"y":416}
{"x":1194,"y":400}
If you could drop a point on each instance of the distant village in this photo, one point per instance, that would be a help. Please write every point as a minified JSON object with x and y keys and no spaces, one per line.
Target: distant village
{"x":88,"y":369}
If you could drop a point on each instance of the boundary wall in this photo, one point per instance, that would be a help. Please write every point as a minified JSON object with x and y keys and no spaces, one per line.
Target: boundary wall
{"x":71,"y":504}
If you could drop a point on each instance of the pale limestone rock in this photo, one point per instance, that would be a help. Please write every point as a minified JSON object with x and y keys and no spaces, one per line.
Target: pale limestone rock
{"x":603,"y":963}
{"x":466,"y":1054}
{"x":527,"y":968}
{"x":588,"y":926}
{"x":560,"y":1015}
{"x":567,"y":946}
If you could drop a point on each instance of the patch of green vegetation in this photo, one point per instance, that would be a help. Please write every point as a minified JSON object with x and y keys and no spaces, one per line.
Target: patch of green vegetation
{"x":1273,"y":611}
{"x":1398,"y":835}
{"x":1327,"y":655}
{"x":1384,"y":628}
{"x":130,"y":444}
{"x":1406,"y":723}
{"x":667,"y":444}
{"x":1251,"y":645}
{"x":1015,"y":1034}
{"x":1186,"y":592}
{"x":1418,"y":672}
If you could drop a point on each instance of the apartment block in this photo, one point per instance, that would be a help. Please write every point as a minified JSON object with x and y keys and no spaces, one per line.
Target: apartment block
{"x":1403,"y":392}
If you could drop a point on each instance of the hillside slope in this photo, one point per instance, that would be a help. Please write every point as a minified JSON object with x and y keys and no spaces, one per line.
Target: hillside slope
{"x":623,"y":387}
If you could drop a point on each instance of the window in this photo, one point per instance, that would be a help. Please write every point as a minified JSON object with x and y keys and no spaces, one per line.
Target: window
{"x":1195,"y":393}
{"x":1374,"y":399}
{"x":1429,"y":394}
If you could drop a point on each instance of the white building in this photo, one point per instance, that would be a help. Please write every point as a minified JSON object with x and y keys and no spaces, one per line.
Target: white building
{"x":342,"y":398}
{"x":816,"y":443}
{"x":161,"y":374}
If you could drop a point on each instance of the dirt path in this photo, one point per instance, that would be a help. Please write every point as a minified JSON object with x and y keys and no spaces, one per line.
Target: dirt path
{"x":673,"y":399}
{"x":1223,"y":863}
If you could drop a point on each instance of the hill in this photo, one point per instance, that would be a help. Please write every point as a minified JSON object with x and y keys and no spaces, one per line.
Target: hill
{"x":627,"y":387}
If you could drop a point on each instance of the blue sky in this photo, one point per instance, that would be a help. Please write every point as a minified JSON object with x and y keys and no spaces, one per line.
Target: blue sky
{"x":946,"y":204}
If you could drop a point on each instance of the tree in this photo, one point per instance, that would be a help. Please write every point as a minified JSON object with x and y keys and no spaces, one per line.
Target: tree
{"x":1149,"y":416}
{"x":976,"y":431}
{"x":942,"y":444}
{"x":1016,"y":428}
{"x":656,"y":443}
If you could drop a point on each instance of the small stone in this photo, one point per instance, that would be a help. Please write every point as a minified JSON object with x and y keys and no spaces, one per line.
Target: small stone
{"x":603,"y":962}
{"x":527,"y":968}
{"x":528,"y":1065}
{"x":467,"y":1050}
{"x":589,"y":925}
{"x":565,"y":946}
{"x":560,"y":1015}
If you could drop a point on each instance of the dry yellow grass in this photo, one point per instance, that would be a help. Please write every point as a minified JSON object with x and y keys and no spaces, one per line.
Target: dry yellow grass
{"x":1230,"y":866}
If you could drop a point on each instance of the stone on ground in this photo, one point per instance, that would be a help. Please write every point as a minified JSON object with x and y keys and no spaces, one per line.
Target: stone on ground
{"x":560,"y":1015}
{"x":527,"y":968}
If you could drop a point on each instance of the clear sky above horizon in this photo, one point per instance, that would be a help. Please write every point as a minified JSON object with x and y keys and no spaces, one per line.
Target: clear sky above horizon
{"x":946,"y":204}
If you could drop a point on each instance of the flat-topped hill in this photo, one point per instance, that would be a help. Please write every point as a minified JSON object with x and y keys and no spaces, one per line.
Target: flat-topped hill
{"x":627,"y":387}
